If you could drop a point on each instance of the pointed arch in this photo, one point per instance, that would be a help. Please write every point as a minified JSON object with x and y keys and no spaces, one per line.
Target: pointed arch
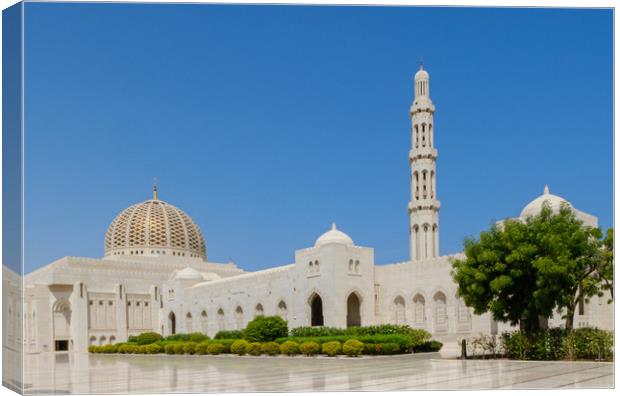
{"x":354,"y":314}
{"x":399,"y":310}
{"x":419,"y":310}
{"x":189,"y":323}
{"x":440,"y":303}
{"x":315,"y":302}
{"x":282,"y":309}
{"x":172,"y":322}
{"x":221,"y":319}
{"x":239,"y":317}
{"x":259,"y":310}
{"x":204,"y":322}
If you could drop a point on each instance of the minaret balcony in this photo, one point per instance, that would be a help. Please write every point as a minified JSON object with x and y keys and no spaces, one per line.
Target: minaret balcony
{"x":422,"y":152}
{"x":424,"y":204}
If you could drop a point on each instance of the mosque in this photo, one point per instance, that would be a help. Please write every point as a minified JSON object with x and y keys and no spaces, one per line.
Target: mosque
{"x":155,"y":276}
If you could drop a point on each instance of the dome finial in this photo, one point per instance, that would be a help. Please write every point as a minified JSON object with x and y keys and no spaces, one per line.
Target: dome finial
{"x":546,"y":190}
{"x":154,"y":189}
{"x":421,"y":62}
{"x":333,"y":225}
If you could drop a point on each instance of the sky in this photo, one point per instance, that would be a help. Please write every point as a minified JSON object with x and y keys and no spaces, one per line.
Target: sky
{"x":267,"y":123}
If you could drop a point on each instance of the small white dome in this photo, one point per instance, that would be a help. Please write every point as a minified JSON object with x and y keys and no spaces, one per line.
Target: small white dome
{"x":188,"y":273}
{"x":534,"y":207}
{"x":421,"y":74}
{"x":334,"y":236}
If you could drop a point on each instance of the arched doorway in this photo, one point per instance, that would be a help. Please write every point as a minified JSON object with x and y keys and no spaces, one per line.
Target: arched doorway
{"x":62,"y":324}
{"x":353,"y":311}
{"x":316,"y":310}
{"x":172,"y":323}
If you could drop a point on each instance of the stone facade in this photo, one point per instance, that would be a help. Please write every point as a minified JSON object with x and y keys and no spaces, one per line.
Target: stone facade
{"x":155,"y":276}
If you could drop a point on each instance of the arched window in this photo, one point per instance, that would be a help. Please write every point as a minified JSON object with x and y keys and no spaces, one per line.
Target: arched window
{"x":221,"y":322}
{"x":112,"y":339}
{"x":316,"y":310}
{"x":351,"y":265}
{"x":317,"y":266}
{"x":399,"y":310}
{"x":259,"y":311}
{"x":102,"y":340}
{"x":239,"y":317}
{"x":282,"y":310}
{"x":354,"y":317}
{"x":435,"y":240}
{"x":188,"y":323}
{"x":419,"y":314}
{"x":417,"y":185}
{"x":204,"y":322}
{"x":416,"y":239}
{"x":430,"y":135}
{"x":432,"y":183}
{"x":426,"y":241}
{"x":423,"y":135}
{"x":357,"y":266}
{"x":92,"y":340}
{"x":441,"y":312}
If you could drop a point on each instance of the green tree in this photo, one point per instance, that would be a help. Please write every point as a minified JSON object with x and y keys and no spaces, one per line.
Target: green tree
{"x":606,"y":272}
{"x":520,"y":271}
{"x":265,"y":328}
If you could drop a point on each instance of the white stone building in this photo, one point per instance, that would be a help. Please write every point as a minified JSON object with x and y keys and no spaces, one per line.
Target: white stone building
{"x":155,"y":276}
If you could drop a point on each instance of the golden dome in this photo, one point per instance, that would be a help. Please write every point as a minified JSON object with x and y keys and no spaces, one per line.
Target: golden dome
{"x":154,"y":228}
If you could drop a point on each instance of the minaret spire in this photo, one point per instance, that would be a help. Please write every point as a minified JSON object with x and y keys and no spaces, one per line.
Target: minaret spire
{"x":424,"y":206}
{"x":154,"y":189}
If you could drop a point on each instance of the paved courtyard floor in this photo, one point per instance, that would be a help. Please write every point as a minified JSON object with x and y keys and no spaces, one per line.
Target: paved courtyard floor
{"x":83,"y":373}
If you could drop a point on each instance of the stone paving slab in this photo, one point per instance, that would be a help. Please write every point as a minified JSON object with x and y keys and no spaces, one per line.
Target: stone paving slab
{"x":126,"y":374}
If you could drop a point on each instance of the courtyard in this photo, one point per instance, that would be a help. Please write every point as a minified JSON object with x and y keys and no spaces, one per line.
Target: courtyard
{"x":113,"y":374}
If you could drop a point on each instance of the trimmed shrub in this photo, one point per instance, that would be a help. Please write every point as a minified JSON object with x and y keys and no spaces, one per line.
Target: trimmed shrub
{"x":229,"y":334}
{"x":226,"y":343}
{"x":353,"y":348}
{"x":215,"y":348}
{"x":331,"y":348}
{"x":93,"y":349}
{"x":189,"y":348}
{"x":125,"y":348}
{"x":428,"y":346}
{"x":309,"y":348}
{"x":108,"y":349}
{"x":201,"y":348}
{"x":152,"y":349}
{"x":271,"y":348}
{"x":254,"y":349}
{"x":169,"y":349}
{"x":390,"y":348}
{"x":265,"y":329}
{"x":239,"y":347}
{"x":179,"y":348}
{"x":289,"y":348}
{"x":146,"y":338}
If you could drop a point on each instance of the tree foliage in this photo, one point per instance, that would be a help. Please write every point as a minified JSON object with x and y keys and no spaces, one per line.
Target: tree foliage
{"x":522,"y":270}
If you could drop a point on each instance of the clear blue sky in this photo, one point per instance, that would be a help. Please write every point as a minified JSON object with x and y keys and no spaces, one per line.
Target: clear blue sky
{"x":267,"y":123}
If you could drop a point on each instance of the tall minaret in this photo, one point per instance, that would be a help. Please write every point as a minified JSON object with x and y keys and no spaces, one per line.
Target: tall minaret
{"x":424,"y":206}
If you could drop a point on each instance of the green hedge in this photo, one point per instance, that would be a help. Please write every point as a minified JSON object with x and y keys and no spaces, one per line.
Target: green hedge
{"x":229,"y":334}
{"x":559,"y":344}
{"x":428,"y":346}
{"x":385,"y":329}
{"x":403,"y":341}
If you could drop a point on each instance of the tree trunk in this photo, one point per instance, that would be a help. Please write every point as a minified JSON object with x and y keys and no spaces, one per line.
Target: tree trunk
{"x":529,"y":325}
{"x":570,"y":315}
